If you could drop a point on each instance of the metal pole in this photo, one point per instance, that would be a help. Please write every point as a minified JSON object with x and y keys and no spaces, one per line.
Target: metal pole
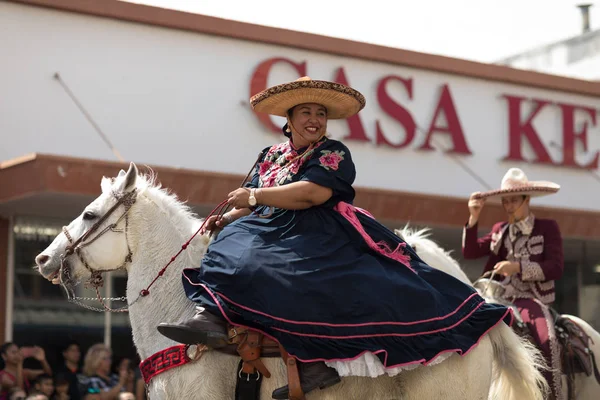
{"x":108,"y":314}
{"x":10,"y":281}
{"x":109,"y":281}
{"x":88,"y":117}
{"x":580,"y":268}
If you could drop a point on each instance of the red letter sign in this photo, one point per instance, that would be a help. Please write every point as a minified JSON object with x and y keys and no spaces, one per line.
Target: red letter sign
{"x":453,"y":127}
{"x":517,"y":129}
{"x":571,"y":137}
{"x":259,"y":83}
{"x":396,"y":111}
{"x":357,"y":130}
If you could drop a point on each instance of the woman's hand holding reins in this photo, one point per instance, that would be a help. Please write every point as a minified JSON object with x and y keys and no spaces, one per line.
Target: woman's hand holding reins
{"x":239,"y":198}
{"x":215,"y":221}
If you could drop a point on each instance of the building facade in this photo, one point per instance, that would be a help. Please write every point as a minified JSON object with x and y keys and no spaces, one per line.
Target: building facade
{"x":170,"y":90}
{"x":575,"y":57}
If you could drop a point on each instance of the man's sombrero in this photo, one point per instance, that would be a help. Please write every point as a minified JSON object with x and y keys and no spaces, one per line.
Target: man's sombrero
{"x":340,"y":101}
{"x":515,"y":182}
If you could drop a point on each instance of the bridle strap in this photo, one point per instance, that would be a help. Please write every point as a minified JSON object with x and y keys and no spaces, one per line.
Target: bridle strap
{"x":96,"y":281}
{"x":127,"y":199}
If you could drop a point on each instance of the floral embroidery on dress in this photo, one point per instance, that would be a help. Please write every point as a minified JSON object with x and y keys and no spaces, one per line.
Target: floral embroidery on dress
{"x":331,"y":159}
{"x":264,"y":167}
{"x":281,"y":163}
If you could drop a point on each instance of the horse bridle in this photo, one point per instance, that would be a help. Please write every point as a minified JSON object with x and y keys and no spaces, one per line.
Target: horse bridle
{"x":96,"y":280}
{"x":127,"y":200}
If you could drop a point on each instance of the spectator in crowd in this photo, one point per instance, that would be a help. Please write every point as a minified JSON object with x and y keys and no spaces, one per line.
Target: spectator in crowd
{"x":61,"y":388}
{"x":96,"y":374}
{"x":124,"y":363}
{"x":17,"y":393}
{"x":140,"y":389}
{"x":13,"y":374}
{"x":37,"y":396}
{"x":70,"y":368}
{"x":43,"y":384}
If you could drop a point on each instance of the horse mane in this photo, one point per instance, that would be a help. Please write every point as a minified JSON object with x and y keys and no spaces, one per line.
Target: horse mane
{"x":419,"y":240}
{"x":147,"y":185}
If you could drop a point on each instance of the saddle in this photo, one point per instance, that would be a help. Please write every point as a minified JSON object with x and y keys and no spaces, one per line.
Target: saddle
{"x":251,"y":345}
{"x":575,"y":353}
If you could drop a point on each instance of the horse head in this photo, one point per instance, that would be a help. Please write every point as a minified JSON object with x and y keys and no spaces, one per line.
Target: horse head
{"x":80,"y":251}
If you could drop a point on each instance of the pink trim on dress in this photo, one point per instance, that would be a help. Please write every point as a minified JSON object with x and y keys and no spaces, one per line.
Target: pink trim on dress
{"x":421,"y":361}
{"x":337,"y":325}
{"x":382,"y":334}
{"x":348,"y":211}
{"x":363,"y":211}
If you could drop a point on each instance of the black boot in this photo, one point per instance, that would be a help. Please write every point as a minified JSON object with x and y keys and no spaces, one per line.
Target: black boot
{"x":312,"y":375}
{"x":203,"y":328}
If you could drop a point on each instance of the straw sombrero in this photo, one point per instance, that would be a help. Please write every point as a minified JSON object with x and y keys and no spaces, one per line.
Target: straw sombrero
{"x":515,"y":182}
{"x":340,"y":101}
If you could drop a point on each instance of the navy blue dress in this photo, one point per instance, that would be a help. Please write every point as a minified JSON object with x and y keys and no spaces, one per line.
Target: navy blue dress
{"x":329,"y":282}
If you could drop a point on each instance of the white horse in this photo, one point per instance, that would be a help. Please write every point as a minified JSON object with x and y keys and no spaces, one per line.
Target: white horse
{"x":586,"y":388}
{"x":144,"y":235}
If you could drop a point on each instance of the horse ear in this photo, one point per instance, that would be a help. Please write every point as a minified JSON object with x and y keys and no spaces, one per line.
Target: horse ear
{"x":130,"y":178}
{"x":121,"y":173}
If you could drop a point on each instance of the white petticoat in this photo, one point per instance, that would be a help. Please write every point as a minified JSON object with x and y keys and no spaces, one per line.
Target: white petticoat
{"x":369,"y":365}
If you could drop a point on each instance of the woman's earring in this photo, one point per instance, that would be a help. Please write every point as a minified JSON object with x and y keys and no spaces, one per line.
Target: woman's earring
{"x":288,"y":130}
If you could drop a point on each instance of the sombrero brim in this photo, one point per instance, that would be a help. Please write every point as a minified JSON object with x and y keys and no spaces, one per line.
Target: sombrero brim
{"x":533,"y":189}
{"x":340,"y":101}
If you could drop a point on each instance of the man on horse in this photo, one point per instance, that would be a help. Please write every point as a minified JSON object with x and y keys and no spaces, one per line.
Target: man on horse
{"x":527,"y":252}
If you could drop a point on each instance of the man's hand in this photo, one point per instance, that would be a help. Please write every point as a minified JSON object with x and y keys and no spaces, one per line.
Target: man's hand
{"x":475,"y":206}
{"x":507,"y":268}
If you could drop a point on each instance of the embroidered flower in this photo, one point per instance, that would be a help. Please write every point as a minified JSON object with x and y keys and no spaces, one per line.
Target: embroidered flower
{"x":264,"y":167}
{"x":270,"y":180}
{"x":282,"y":163}
{"x":331,"y":159}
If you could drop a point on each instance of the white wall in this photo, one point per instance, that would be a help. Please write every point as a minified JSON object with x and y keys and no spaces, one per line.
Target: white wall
{"x":168,"y":97}
{"x":555,"y":59}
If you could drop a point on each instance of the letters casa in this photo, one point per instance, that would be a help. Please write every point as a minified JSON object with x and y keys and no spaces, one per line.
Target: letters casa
{"x":446,"y":121}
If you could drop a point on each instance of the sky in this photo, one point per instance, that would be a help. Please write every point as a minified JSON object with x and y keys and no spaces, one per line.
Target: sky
{"x":478,"y":30}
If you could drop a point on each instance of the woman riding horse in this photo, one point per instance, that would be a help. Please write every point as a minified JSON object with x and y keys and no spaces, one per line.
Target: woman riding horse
{"x":298,"y":262}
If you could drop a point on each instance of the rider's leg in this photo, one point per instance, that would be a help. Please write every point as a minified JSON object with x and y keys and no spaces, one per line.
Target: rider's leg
{"x":541,"y":328}
{"x":202,"y":328}
{"x":313,"y":375}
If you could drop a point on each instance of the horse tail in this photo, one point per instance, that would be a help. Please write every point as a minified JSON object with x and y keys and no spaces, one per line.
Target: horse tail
{"x":517,"y":366}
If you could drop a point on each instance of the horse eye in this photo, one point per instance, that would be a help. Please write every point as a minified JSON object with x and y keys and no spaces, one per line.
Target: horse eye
{"x":88,"y":216}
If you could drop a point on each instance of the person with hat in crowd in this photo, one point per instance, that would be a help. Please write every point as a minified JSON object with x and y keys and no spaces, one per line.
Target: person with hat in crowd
{"x":527,"y":253}
{"x":296,"y":260}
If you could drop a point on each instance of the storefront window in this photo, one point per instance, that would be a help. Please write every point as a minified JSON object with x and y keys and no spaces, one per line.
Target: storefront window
{"x":590,"y":285}
{"x":42,"y":315}
{"x":31,"y":237}
{"x":567,"y":293}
